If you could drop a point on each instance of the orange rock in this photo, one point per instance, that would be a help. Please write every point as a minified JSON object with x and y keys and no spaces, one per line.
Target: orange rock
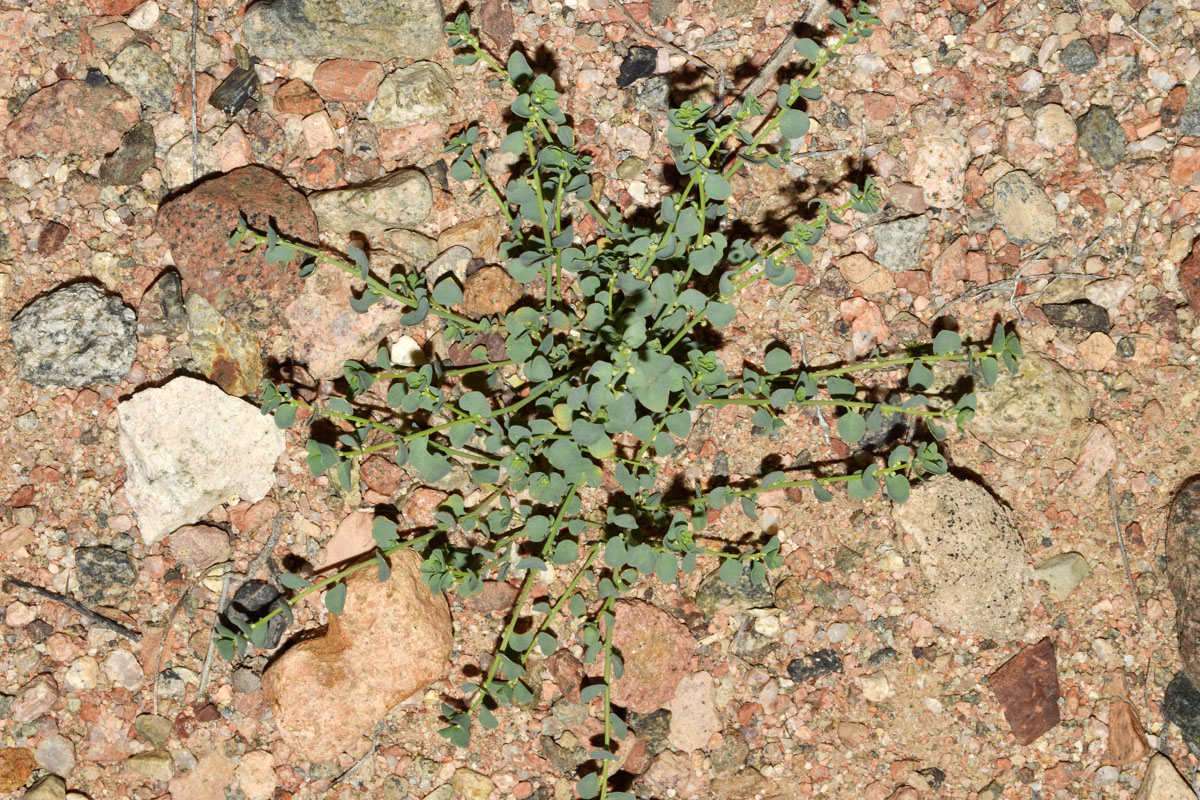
{"x":491,"y":290}
{"x":1126,"y":739}
{"x":344,"y":80}
{"x":16,"y":765}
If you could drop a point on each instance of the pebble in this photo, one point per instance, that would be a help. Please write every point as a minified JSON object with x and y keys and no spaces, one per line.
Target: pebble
{"x":1023,"y":210}
{"x":875,"y":687}
{"x":82,"y":674}
{"x":50,"y":787}
{"x":34,"y":699}
{"x":898,"y":243}
{"x":865,"y":275}
{"x":1078,"y":57}
{"x":1083,"y":316}
{"x":343,"y":80}
{"x":1054,"y":127}
{"x":1063,"y":573}
{"x":1102,"y":136}
{"x":221,"y":350}
{"x":56,"y":754}
{"x":283,"y":31}
{"x":656,"y":649}
{"x":1042,"y":398}
{"x":123,"y":669}
{"x":715,"y":595}
{"x":72,"y":117}
{"x":693,"y":713}
{"x":105,"y":575}
{"x":418,"y":93}
{"x":144,"y":74}
{"x":1163,"y":782}
{"x":16,"y":765}
{"x":256,"y":776}
{"x":154,"y":764}
{"x":1097,"y":350}
{"x":1126,"y":737}
{"x":1155,"y":16}
{"x":814,"y":665}
{"x":1027,"y":688}
{"x":155,"y":729}
{"x":78,"y":335}
{"x":144,"y":17}
{"x":401,"y":199}
{"x":471,"y":785}
{"x":199,"y":547}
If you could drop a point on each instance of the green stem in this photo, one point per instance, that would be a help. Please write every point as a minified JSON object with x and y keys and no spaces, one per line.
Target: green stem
{"x":491,"y":188}
{"x":454,"y":373}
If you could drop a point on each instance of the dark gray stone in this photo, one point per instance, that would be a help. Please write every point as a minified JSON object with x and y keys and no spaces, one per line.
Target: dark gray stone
{"x":814,"y":665}
{"x":565,"y":760}
{"x":126,"y":165}
{"x":232,"y":94}
{"x":714,"y":594}
{"x":884,"y":655}
{"x":1078,"y":57}
{"x":78,"y":335}
{"x":162,"y":311}
{"x":254,"y":600}
{"x":1181,"y":706}
{"x":1102,"y":136}
{"x":652,"y":728}
{"x":1189,"y":118}
{"x":1084,"y":316}
{"x":104,"y":574}
{"x":638,"y":64}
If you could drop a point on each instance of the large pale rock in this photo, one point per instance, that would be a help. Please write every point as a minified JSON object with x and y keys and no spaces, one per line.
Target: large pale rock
{"x":189,"y":447}
{"x":1042,"y":398}
{"x":392,"y":639}
{"x":379,"y":30}
{"x":1023,"y":209}
{"x":970,"y":555}
{"x":656,"y":649}
{"x":78,"y":335}
{"x":401,"y":199}
{"x":940,"y":164}
{"x":1163,"y":782}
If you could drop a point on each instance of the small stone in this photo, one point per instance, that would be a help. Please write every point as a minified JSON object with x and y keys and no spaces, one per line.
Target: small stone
{"x":1102,"y":136}
{"x":155,"y":729}
{"x":1023,"y":210}
{"x":1027,"y":688}
{"x":814,"y":665}
{"x":105,"y":575}
{"x":154,"y":764}
{"x":343,"y":80}
{"x":1063,"y":573}
{"x":1126,"y":737}
{"x":72,"y":117}
{"x":422,"y":92}
{"x":221,"y":350}
{"x":852,"y":734}
{"x":471,"y":785}
{"x":898,"y":243}
{"x":144,"y":17}
{"x":1097,"y":350}
{"x":489,"y":291}
{"x":715,"y":595}
{"x":1181,"y":706}
{"x":1080,"y":315}
{"x":35,"y":699}
{"x":693,"y":713}
{"x":1054,"y":127}
{"x":567,"y":672}
{"x":123,"y":669}
{"x":653,"y":728}
{"x":199,"y":547}
{"x":865,"y":275}
{"x":245,"y":680}
{"x":82,"y":674}
{"x":144,"y":74}
{"x":1163,"y":782}
{"x":56,"y":754}
{"x":1078,"y":57}
{"x":940,"y":164}
{"x":496,"y":22}
{"x":1172,"y":107}
{"x":401,"y":199}
{"x":630,"y":168}
{"x":481,"y":236}
{"x":875,"y":687}
{"x":296,"y":97}
{"x":161,"y":311}
{"x":1189,"y":275}
{"x":78,"y":335}
{"x":212,"y":775}
{"x":51,"y":238}
{"x":16,"y":765}
{"x":256,"y":775}
{"x":380,"y":472}
{"x":1189,"y":117}
{"x":1043,"y":398}
{"x":50,"y":787}
{"x":640,"y":63}
{"x":252,"y":601}
{"x":731,"y":755}
{"x":1155,"y":16}
{"x":232,"y":93}
{"x":656,"y":649}
{"x":415,"y":249}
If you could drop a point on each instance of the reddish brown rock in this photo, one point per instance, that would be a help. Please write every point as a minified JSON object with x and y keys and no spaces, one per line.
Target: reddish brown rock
{"x":16,"y":765}
{"x":656,"y":649}
{"x":1183,"y":563}
{"x":382,"y":474}
{"x":496,"y":23}
{"x":199,"y":547}
{"x":344,"y":80}
{"x":567,"y":672}
{"x":497,"y":597}
{"x":392,"y":640}
{"x":72,"y":117}
{"x":1027,"y":687}
{"x":1189,"y":277}
{"x":240,"y":285}
{"x":421,"y":505}
{"x":1126,"y":737}
{"x":491,"y":290}
{"x":52,"y":237}
{"x":297,"y":97}
{"x":1172,"y":106}
{"x":1185,"y":166}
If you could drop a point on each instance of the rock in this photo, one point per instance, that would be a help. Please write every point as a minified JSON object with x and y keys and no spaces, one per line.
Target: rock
{"x":344,"y":80}
{"x":393,"y":639}
{"x":814,"y":665}
{"x":245,"y":680}
{"x":380,"y":472}
{"x":155,"y":729}
{"x":1097,"y":456}
{"x":1109,"y":294}
{"x":970,"y":556}
{"x":671,"y":773}
{"x":144,"y":16}
{"x":1054,"y":127}
{"x":422,"y":92}
{"x":1023,"y":210}
{"x":1041,"y":399}
{"x":567,"y":672}
{"x":241,"y":286}
{"x":72,"y":117}
{"x":50,"y":787}
{"x":1155,"y":16}
{"x":1163,"y":782}
{"x":161,"y":311}
{"x":496,"y":23}
{"x":693,"y":713}
{"x":1063,"y":573}
{"x":640,"y":63}
{"x":78,"y":335}
{"x":865,"y":275}
{"x":222,"y":351}
{"x":199,"y":547}
{"x":1126,"y":737}
{"x":208,"y":781}
{"x":1027,"y":688}
{"x":1189,"y":276}
{"x":453,"y":261}
{"x":256,"y":775}
{"x":653,"y":728}
{"x":180,"y":459}
{"x":1102,"y":136}
{"x":401,"y":199}
{"x":1080,"y":315}
{"x":378,"y":30}
{"x":471,"y":785}
{"x":154,"y":764}
{"x":51,"y":239}
{"x":488,"y":291}
{"x":656,"y":649}
{"x":231,"y":94}
{"x":123,"y":669}
{"x":940,"y":164}
{"x":34,"y":699}
{"x":82,"y":674}
{"x":144,"y":74}
{"x":1078,"y":58}
{"x":715,"y":595}
{"x":1183,"y":573}
{"x":297,"y":97}
{"x":898,"y":243}
{"x":415,"y":249}
{"x":16,"y":765}
{"x":251,"y":602}
{"x":875,"y":688}
{"x":351,"y":539}
{"x":481,"y":236}
{"x":1189,"y":117}
{"x":104,"y":574}
{"x":220,"y":149}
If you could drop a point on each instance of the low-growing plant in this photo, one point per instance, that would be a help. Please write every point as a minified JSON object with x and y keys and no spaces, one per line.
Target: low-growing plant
{"x":607,"y":361}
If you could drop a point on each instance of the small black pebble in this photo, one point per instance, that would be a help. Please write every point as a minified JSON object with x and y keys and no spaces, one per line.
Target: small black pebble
{"x":95,"y":78}
{"x":638,"y":64}
{"x":814,"y":665}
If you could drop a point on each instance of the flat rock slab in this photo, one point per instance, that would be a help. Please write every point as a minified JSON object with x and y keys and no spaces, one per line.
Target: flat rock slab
{"x":189,"y":447}
{"x":72,"y":117}
{"x":1027,"y":687}
{"x":1163,"y":782}
{"x":378,"y":30}
{"x":656,"y":649}
{"x":79,"y":335}
{"x":1041,"y":399}
{"x":392,"y":639}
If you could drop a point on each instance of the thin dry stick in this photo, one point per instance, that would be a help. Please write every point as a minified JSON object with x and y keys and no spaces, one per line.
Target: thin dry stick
{"x":192,"y":58}
{"x":345,"y":776}
{"x":1008,"y":282}
{"x":212,"y":640}
{"x":265,"y":553}
{"x":758,"y":84}
{"x":75,"y":605}
{"x":162,"y":643}
{"x":820,"y":417}
{"x":1112,"y":501}
{"x":695,"y":61}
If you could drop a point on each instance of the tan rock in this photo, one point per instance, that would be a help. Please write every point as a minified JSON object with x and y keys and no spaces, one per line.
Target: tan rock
{"x":1163,"y":782}
{"x":392,"y":639}
{"x":480,"y":235}
{"x":16,"y":765}
{"x":1097,"y":456}
{"x":199,"y":546}
{"x":865,"y":275}
{"x":1043,"y":398}
{"x":1126,"y":738}
{"x":1097,"y":350}
{"x":207,"y":781}
{"x":491,"y":290}
{"x":352,"y":538}
{"x":154,"y":764}
{"x":256,"y":775}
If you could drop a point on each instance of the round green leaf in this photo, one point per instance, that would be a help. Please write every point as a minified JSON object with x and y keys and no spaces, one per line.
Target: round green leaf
{"x":851,"y":427}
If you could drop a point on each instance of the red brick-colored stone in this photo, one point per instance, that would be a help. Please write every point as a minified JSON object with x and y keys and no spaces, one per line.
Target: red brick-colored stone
{"x":382,"y":474}
{"x":345,"y":80}
{"x":52,"y":237}
{"x":657,"y":650}
{"x":497,"y":24}
{"x":1172,"y":107}
{"x":1185,"y":166}
{"x":567,"y":672}
{"x":112,"y":7}
{"x":297,"y":97}
{"x":73,"y":117}
{"x":1189,"y":276}
{"x":1027,"y":687}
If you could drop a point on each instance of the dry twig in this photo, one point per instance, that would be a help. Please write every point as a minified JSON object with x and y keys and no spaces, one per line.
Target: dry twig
{"x":212,"y":640}
{"x":695,"y":61}
{"x":1112,"y":501}
{"x":345,"y":776}
{"x":212,"y":572}
{"x":75,"y":605}
{"x":192,"y":58}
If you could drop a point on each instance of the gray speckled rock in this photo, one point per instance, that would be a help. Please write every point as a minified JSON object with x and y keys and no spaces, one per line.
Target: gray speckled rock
{"x":1023,"y":210}
{"x":1102,"y":136}
{"x":970,"y":556}
{"x":1181,"y":705}
{"x":418,"y":93}
{"x":375,"y":30}
{"x":144,"y":74}
{"x":1155,"y":16}
{"x":1078,"y":57}
{"x":78,"y":335}
{"x":1189,"y":118}
{"x":714,"y":594}
{"x":898,"y":243}
{"x":401,"y":199}
{"x":104,"y":574}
